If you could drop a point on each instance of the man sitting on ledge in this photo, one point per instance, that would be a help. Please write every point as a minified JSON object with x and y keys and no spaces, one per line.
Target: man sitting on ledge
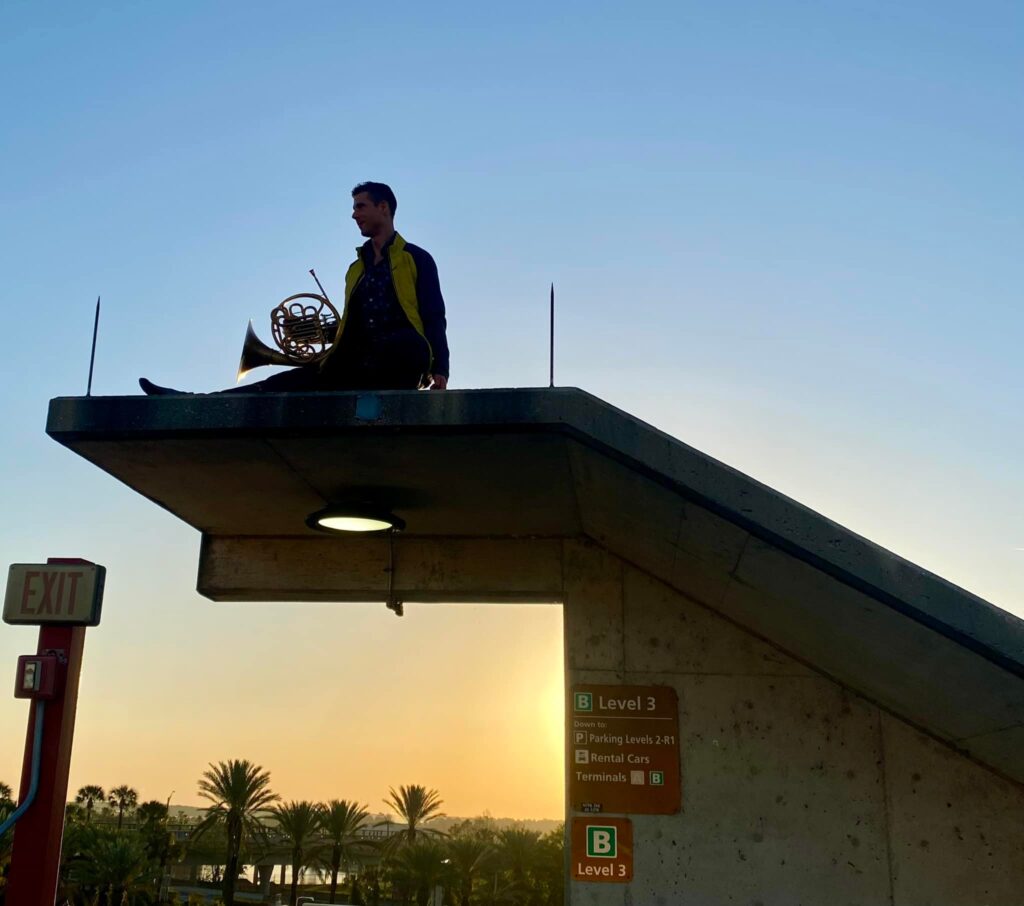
{"x":392,"y":332}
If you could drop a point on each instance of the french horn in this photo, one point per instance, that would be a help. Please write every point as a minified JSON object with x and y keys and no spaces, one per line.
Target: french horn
{"x":304,"y":327}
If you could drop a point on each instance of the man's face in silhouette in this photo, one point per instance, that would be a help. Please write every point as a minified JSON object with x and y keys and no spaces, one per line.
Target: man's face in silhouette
{"x":372,"y":219}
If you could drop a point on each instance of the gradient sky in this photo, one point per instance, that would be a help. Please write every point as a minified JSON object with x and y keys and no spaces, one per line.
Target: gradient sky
{"x":788,"y":234}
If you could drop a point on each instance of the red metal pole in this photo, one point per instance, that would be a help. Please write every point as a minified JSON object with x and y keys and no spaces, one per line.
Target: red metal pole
{"x":35,"y":857}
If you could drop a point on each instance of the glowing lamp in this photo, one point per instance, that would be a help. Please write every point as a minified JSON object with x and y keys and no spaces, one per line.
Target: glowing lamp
{"x":354,"y":518}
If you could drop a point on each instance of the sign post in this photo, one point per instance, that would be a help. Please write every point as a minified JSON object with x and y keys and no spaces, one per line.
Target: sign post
{"x":62,"y":597}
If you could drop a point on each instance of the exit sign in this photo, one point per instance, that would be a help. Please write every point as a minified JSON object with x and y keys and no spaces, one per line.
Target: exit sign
{"x":68,"y":593}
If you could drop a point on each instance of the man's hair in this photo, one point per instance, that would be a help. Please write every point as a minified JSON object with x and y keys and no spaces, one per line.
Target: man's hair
{"x":378,"y":192}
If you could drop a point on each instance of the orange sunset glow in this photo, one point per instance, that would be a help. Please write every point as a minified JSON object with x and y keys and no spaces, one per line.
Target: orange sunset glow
{"x":336,"y":701}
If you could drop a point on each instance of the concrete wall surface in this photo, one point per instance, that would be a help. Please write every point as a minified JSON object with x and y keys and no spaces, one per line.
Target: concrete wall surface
{"x":796,"y":790}
{"x":956,"y":830}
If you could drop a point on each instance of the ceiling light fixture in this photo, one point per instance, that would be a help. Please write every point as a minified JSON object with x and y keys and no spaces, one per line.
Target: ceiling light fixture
{"x":354,"y":518}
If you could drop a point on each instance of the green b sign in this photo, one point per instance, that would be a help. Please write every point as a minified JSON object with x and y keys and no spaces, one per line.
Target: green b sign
{"x":601,"y":853}
{"x":583,"y":701}
{"x":601,"y":842}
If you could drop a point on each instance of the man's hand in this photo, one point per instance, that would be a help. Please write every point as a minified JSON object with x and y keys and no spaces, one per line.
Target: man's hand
{"x":438,"y":382}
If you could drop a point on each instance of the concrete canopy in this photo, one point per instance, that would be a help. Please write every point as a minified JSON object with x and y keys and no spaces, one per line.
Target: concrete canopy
{"x":481,"y":472}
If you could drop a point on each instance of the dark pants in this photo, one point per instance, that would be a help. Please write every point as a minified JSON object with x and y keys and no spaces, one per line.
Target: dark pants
{"x":395,"y":366}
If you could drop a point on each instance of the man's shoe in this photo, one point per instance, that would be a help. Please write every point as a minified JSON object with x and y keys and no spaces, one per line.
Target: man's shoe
{"x":151,"y":389}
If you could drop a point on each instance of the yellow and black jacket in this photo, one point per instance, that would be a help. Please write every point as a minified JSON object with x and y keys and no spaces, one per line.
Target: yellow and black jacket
{"x":418,"y":292}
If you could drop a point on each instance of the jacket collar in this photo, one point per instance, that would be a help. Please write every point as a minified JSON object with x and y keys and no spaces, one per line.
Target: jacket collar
{"x":396,"y":242}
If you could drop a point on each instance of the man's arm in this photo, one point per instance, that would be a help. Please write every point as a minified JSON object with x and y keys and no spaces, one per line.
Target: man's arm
{"x":432,"y":312}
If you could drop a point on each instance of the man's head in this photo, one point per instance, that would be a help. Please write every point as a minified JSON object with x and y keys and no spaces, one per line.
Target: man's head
{"x":373,"y":208}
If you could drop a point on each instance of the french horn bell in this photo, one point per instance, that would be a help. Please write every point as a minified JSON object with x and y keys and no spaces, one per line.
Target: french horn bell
{"x":304,"y":327}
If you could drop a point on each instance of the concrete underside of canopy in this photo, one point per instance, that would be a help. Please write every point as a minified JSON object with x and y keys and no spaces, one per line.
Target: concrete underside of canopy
{"x":493,"y":484}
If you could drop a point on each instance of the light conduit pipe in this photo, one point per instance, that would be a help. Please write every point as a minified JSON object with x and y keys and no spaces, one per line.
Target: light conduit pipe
{"x":33,"y":784}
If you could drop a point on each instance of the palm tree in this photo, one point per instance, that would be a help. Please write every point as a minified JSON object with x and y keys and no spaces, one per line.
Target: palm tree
{"x":340,"y":820}
{"x":152,"y":812}
{"x":121,"y":798}
{"x":416,"y":805}
{"x":159,"y":842}
{"x":518,"y":849}
{"x":239,"y":790}
{"x":371,"y":878}
{"x":87,"y":795}
{"x":419,"y":867}
{"x":468,"y":856}
{"x":299,"y":822}
{"x":106,"y":867}
{"x":549,"y":867}
{"x":6,"y":807}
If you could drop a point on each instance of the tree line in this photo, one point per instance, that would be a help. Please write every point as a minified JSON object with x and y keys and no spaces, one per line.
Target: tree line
{"x":123,"y":863}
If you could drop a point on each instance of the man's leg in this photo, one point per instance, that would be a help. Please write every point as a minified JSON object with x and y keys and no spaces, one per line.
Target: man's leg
{"x":391,"y":376}
{"x":303,"y":379}
{"x":399,"y":365}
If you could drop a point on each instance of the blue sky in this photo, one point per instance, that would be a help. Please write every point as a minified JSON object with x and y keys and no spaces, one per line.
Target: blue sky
{"x":788,"y":234}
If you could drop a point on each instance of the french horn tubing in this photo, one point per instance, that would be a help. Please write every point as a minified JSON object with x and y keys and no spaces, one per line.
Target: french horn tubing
{"x":303,"y":326}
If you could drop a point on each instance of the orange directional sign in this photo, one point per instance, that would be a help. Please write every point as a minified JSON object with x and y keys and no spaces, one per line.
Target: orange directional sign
{"x":45,"y":594}
{"x":624,"y":749}
{"x":602,"y":850}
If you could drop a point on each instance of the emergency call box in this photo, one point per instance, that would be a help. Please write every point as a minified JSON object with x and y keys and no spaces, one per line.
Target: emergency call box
{"x":37,"y":676}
